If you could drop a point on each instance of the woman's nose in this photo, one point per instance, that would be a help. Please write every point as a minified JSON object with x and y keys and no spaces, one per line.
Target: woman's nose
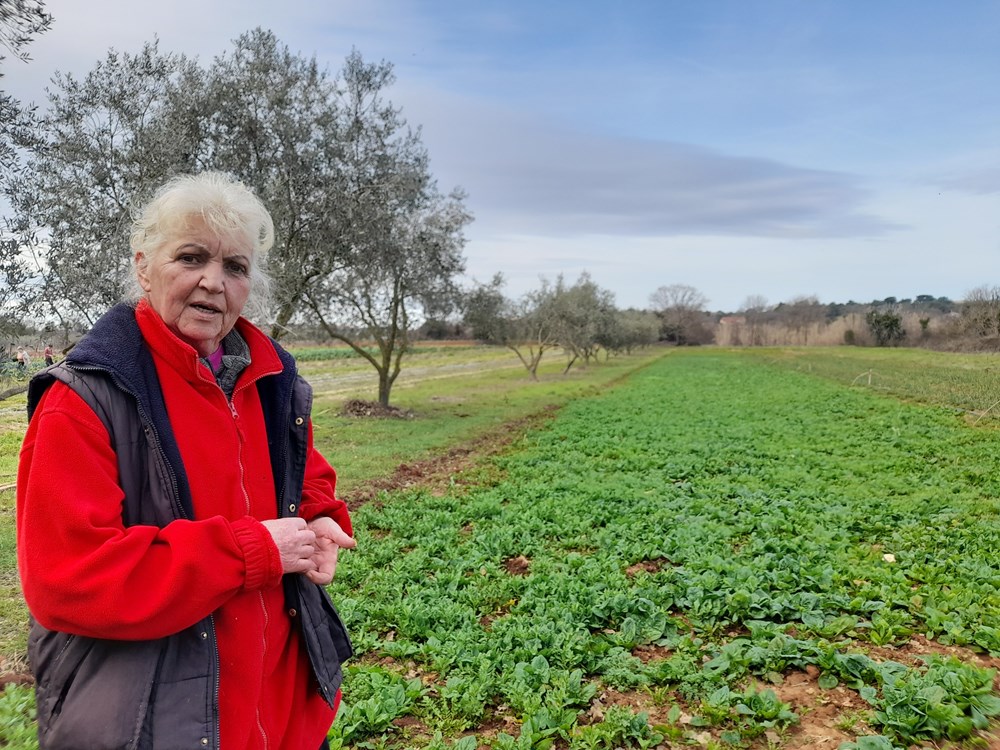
{"x":211,"y":277}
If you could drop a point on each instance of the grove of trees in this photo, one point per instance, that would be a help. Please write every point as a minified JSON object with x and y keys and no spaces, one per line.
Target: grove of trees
{"x":580,"y":319}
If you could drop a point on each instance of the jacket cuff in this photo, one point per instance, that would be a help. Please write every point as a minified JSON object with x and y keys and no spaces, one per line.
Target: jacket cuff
{"x":260,"y":554}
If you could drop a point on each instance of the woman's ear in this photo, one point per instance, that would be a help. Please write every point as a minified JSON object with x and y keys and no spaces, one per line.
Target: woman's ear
{"x":142,"y":270}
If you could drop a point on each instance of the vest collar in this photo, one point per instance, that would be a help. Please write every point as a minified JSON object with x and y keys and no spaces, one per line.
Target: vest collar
{"x":183,"y":357}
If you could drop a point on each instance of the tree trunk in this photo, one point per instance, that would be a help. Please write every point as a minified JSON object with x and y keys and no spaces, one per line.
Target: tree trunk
{"x":285,"y":312}
{"x":16,"y":390}
{"x":384,"y":386}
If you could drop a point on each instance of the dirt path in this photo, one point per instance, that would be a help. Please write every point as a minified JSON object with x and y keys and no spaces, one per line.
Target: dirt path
{"x":351,"y":382}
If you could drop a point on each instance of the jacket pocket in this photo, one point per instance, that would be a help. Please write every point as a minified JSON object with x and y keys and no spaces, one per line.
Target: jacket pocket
{"x":55,"y":659}
{"x":92,"y":694}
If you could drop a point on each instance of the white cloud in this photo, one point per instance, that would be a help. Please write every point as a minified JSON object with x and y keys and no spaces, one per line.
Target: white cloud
{"x":529,"y":175}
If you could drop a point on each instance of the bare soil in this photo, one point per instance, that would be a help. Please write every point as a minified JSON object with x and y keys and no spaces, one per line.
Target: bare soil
{"x":357,"y":407}
{"x":442,"y":473}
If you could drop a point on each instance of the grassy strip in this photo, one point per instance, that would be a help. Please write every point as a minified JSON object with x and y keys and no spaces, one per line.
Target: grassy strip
{"x":963,"y":383}
{"x":450,"y":407}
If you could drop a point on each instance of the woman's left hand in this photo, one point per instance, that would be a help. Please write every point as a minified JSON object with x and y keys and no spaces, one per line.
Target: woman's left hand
{"x":330,"y":537}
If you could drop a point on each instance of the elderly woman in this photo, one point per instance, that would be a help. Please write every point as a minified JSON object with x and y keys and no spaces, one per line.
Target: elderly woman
{"x":176,"y":525}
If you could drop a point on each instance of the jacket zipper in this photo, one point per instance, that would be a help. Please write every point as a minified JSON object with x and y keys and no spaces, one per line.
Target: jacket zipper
{"x":247,"y":508}
{"x":284,"y":445}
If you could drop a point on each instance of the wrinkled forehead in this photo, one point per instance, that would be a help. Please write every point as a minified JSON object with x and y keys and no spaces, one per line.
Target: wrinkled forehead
{"x":200,"y":229}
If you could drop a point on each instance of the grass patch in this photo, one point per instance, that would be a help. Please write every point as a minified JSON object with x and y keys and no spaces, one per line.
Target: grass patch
{"x":961,"y":383}
{"x":450,"y":408}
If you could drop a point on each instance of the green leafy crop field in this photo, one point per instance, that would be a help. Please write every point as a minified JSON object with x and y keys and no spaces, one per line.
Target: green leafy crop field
{"x":753,"y":549}
{"x":713,"y":552}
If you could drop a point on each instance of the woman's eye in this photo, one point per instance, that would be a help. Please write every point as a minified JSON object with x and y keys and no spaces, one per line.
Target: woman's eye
{"x":237,"y":269}
{"x":189,"y":259}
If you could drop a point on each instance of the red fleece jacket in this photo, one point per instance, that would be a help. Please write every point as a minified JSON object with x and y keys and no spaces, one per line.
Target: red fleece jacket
{"x":83,"y":572}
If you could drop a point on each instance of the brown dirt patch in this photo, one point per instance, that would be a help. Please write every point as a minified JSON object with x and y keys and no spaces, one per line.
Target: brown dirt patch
{"x":16,"y":679}
{"x":500,"y":720}
{"x":517,"y":566}
{"x":634,"y":701}
{"x":820,"y":711}
{"x":357,"y":407}
{"x":919,"y":645}
{"x":649,"y":652}
{"x":442,"y":473}
{"x":647,"y":566}
{"x":14,"y":671}
{"x":823,"y":714}
{"x":408,"y":722}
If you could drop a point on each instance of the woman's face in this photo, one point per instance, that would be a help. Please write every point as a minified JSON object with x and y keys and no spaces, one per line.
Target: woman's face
{"x":198,"y":283}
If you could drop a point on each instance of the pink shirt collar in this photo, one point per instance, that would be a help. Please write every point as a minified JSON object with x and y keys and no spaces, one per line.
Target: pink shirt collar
{"x":215,"y":359}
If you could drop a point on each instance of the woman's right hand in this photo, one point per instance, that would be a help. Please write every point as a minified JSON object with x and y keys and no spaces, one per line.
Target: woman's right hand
{"x":296,"y":544}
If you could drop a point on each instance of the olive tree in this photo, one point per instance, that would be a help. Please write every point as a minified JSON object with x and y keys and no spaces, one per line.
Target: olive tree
{"x":364,"y":241}
{"x":584,"y":315}
{"x":275,"y":120}
{"x":20,"y":22}
{"x":397,"y":250}
{"x":527,"y":326}
{"x":581,"y":319}
{"x":630,"y":330}
{"x":260,"y":113}
{"x":105,"y":142}
{"x":408,"y":271}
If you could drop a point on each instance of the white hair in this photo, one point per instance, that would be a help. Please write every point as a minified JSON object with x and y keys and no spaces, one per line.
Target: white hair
{"x":229,"y":210}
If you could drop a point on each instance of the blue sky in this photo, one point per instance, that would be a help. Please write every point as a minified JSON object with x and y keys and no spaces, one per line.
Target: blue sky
{"x":779,"y":148}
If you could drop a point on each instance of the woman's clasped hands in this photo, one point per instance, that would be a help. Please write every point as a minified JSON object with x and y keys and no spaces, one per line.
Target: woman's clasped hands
{"x":309,"y":548}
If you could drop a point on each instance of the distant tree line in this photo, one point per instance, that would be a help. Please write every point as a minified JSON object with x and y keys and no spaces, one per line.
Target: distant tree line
{"x":805,"y":320}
